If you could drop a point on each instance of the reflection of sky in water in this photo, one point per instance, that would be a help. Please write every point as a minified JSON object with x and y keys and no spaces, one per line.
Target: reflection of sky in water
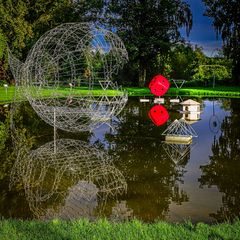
{"x":157,"y":188}
{"x":202,"y":200}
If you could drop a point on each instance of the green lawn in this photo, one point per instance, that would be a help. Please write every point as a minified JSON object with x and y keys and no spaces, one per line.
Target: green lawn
{"x":233,"y":92}
{"x":191,"y":91}
{"x":8,"y":96}
{"x":83,"y":229}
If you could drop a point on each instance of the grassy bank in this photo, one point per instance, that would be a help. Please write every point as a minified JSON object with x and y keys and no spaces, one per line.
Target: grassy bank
{"x":222,"y":91}
{"x":8,"y":96}
{"x":82,"y":229}
{"x":233,"y":92}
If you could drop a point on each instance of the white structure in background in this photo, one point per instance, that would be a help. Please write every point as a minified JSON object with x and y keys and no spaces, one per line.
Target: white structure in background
{"x":144,"y":100}
{"x":191,"y":110}
{"x":178,"y":82}
{"x":159,"y":100}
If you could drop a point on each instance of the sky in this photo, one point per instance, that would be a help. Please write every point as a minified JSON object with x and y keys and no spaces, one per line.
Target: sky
{"x":202,"y":33}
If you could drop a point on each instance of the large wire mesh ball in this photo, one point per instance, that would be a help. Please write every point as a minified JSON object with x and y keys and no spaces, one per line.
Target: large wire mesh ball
{"x":65,"y":70}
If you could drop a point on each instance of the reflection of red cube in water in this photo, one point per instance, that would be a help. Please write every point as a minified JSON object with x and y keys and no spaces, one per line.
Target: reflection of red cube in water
{"x":159,"y":85}
{"x":158,"y":114}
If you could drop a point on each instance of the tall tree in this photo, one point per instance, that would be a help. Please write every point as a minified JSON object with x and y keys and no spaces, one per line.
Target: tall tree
{"x":23,"y":22}
{"x":226,"y":20}
{"x":184,"y":59}
{"x":149,"y":27}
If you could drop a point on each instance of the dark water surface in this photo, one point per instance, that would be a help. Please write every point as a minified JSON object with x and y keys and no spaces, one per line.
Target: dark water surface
{"x":124,"y":170}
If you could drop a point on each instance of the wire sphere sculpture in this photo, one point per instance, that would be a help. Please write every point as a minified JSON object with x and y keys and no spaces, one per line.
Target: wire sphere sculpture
{"x":64,"y":71}
{"x":67,"y":179}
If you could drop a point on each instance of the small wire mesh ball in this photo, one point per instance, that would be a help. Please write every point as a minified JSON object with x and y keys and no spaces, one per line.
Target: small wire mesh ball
{"x":64,"y":71}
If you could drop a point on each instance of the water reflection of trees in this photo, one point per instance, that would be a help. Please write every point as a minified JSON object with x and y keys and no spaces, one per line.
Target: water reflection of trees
{"x":223,"y":170}
{"x":24,"y":131}
{"x":153,"y":178}
{"x":13,"y":204}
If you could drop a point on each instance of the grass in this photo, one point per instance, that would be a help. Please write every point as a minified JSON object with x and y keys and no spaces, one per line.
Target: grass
{"x":6,"y":97}
{"x":223,"y":91}
{"x":83,"y":229}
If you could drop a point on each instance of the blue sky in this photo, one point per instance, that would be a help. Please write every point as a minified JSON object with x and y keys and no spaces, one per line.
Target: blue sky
{"x":203,"y":33}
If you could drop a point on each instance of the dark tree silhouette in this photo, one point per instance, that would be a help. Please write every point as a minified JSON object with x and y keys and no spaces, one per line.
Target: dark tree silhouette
{"x":226,"y":20}
{"x":149,"y":28}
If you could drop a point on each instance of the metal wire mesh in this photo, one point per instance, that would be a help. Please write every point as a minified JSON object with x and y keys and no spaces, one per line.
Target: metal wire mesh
{"x":64,"y":71}
{"x":67,"y":179}
{"x":177,"y":152}
{"x":180,"y":128}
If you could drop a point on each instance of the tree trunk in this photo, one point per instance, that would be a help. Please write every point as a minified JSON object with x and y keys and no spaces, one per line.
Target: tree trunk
{"x":142,"y":73}
{"x":2,"y":71}
{"x":236,"y":72}
{"x":142,"y":77}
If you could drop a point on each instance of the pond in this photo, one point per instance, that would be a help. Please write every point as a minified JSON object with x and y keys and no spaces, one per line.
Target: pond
{"x":124,"y":169}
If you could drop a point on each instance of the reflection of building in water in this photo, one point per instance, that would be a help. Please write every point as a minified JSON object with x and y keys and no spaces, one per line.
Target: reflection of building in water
{"x":68,"y":179}
{"x":191,"y":110}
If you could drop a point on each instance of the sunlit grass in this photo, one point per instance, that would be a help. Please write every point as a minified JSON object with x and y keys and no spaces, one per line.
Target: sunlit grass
{"x":191,"y":91}
{"x":9,"y":95}
{"x":83,"y":229}
{"x":233,"y":92}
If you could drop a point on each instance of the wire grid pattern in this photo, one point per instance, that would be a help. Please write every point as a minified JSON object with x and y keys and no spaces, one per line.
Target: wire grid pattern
{"x":63,"y":71}
{"x":68,"y":179}
{"x":180,"y":128}
{"x":177,"y":152}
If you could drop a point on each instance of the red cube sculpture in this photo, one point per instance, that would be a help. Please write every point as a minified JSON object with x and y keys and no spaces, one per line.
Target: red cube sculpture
{"x":158,"y":114}
{"x":159,"y":85}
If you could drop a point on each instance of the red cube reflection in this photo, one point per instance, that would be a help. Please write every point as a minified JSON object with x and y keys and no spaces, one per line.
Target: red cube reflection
{"x":158,"y":114}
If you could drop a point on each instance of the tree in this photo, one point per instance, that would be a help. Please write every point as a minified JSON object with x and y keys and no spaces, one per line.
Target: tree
{"x":148,"y":28}
{"x":184,"y":59}
{"x":209,"y":73}
{"x":226,"y":21}
{"x":23,"y":22}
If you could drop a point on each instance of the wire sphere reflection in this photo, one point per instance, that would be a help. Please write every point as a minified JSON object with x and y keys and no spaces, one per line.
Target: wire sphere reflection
{"x":67,"y":179}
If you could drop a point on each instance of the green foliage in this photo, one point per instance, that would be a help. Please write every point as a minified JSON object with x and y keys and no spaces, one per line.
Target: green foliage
{"x":226,"y":21}
{"x":191,"y":91}
{"x":3,"y":136}
{"x":145,"y":29}
{"x":3,"y":45}
{"x":23,"y":22}
{"x":211,"y":72}
{"x":184,"y":59}
{"x":102,"y":229}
